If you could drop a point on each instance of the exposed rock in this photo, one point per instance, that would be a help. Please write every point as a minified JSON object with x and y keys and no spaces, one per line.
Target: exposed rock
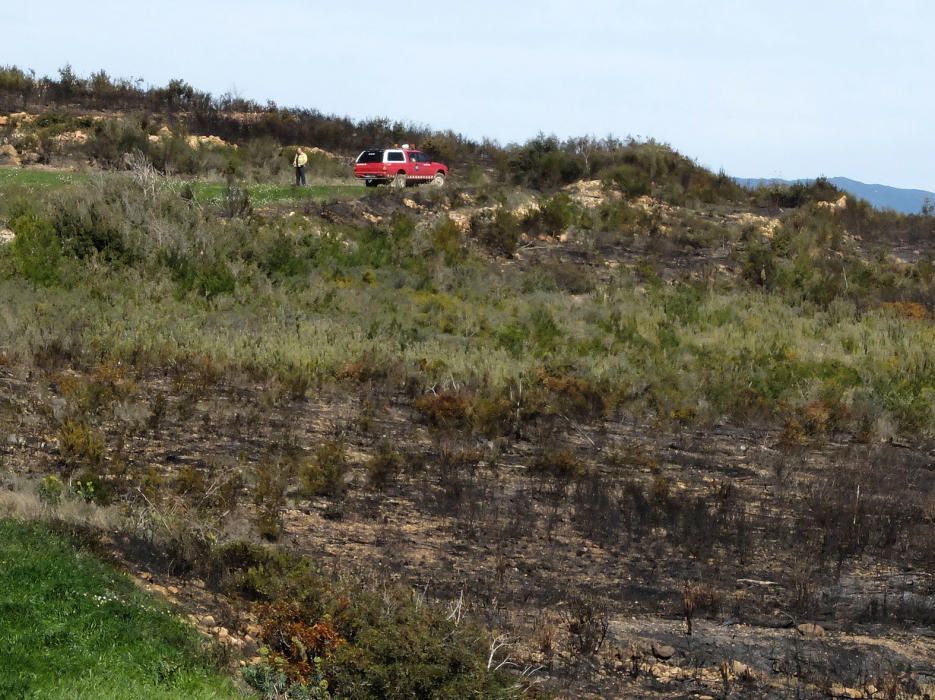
{"x":765,"y":225}
{"x":315,"y":151}
{"x":663,"y":651}
{"x":9,"y":156}
{"x":208,"y":141}
{"x":741,"y":670}
{"x":525,"y":209}
{"x":836,"y":205}
{"x":841,"y":691}
{"x":809,"y":629}
{"x":461,"y":219}
{"x":588,"y":193}
{"x":208,"y":621}
{"x":71,"y":138}
{"x":6,"y":236}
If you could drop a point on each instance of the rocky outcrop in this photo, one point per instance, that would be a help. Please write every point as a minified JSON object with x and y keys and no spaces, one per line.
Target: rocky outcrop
{"x":9,"y":156}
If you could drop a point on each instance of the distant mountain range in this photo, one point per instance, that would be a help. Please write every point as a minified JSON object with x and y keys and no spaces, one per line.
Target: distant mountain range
{"x":880,"y":196}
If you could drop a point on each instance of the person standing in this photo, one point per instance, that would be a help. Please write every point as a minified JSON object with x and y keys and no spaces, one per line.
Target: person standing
{"x":299,"y":164}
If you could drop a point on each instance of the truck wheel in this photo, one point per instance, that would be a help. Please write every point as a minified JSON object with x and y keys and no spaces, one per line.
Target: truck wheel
{"x":399,"y":182}
{"x":439,"y":179}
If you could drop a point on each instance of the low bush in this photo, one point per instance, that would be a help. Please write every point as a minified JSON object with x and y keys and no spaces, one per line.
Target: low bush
{"x":325,"y":474}
{"x":386,"y":465}
{"x":445,"y":410}
{"x":500,"y":231}
{"x":269,"y":496}
{"x":80,"y":447}
{"x":559,"y":463}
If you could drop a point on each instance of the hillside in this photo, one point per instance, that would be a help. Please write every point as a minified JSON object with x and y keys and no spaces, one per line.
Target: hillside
{"x":589,"y":421}
{"x":904,"y":201}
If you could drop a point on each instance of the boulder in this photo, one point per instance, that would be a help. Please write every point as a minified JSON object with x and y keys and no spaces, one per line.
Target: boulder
{"x":9,"y":156}
{"x":663,"y":652}
{"x":811,"y":630}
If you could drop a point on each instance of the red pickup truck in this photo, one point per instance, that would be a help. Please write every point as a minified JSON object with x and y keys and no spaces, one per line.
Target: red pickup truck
{"x":398,"y":167}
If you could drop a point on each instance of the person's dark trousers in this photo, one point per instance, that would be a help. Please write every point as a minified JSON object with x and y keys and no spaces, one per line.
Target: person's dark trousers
{"x":300,"y":175}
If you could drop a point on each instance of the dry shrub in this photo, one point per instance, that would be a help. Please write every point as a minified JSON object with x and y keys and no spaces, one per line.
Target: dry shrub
{"x":560,"y":464}
{"x":269,"y":496}
{"x":907,"y":309}
{"x":588,"y":623}
{"x":295,"y":641}
{"x":699,"y":598}
{"x":578,"y":396}
{"x":20,"y":505}
{"x":367,"y":369}
{"x":445,"y":410}
{"x":80,"y":447}
{"x":494,"y":415}
{"x":793,"y":433}
{"x":817,"y":417}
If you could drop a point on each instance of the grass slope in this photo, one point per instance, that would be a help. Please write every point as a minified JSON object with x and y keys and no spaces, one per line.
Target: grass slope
{"x":24,"y":181}
{"x":70,"y":627}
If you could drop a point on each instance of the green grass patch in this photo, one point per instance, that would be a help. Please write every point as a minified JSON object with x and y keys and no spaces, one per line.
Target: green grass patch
{"x":71,"y":627}
{"x":22,"y":180}
{"x":265,"y":194}
{"x":14,"y":181}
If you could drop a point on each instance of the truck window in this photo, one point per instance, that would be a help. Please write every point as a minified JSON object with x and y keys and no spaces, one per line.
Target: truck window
{"x":396,"y":157}
{"x":371,"y":156}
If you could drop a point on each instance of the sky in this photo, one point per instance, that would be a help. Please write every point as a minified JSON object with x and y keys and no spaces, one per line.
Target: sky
{"x":759,"y":89}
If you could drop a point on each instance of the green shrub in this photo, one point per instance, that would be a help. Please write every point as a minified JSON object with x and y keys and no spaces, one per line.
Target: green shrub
{"x":500,"y":232}
{"x":235,"y":202}
{"x":545,"y":163}
{"x":51,"y":490}
{"x":112,"y":139}
{"x":325,"y":474}
{"x":446,"y":239}
{"x":554,"y":217}
{"x":284,"y":257}
{"x":87,"y":227}
{"x":385,"y":465}
{"x":37,"y":248}
{"x":629,"y":179}
{"x":207,"y":278}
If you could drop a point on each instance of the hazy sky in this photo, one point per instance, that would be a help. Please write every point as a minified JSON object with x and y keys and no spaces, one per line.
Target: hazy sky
{"x":773,"y":89}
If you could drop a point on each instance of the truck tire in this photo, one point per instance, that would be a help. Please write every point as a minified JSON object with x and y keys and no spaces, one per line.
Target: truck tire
{"x":399,"y":182}
{"x":438,"y":180}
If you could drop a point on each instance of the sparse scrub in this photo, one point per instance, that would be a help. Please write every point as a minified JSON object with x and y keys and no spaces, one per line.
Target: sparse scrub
{"x":385,"y":466}
{"x":269,"y":496}
{"x":500,"y":232}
